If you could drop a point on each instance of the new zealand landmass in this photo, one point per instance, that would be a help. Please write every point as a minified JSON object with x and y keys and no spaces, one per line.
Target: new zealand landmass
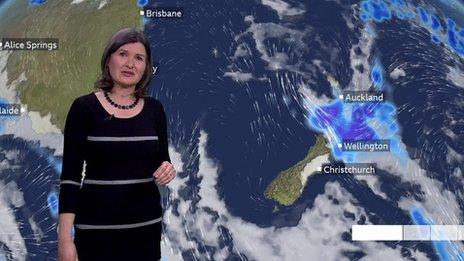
{"x":287,"y":187}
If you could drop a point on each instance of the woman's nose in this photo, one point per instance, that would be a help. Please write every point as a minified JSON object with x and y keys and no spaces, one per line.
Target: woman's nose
{"x":130,"y":63}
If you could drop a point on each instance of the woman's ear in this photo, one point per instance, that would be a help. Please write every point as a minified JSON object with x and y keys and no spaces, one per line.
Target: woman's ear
{"x":107,"y":68}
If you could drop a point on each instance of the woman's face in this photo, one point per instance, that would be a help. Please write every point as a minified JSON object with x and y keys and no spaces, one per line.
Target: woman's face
{"x":127,"y":64}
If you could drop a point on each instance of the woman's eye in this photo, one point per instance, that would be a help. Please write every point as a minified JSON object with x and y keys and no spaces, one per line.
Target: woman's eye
{"x":140,"y":58}
{"x":122,"y":54}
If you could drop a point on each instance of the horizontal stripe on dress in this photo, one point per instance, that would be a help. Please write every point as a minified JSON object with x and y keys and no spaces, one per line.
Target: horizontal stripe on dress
{"x":71,"y":182}
{"x":108,"y":182}
{"x":123,"y":226}
{"x":130,"y":138}
{"x":117,"y":182}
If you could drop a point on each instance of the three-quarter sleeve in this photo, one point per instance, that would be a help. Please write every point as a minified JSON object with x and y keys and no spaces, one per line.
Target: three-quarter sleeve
{"x":73,"y":158}
{"x":163,"y":135}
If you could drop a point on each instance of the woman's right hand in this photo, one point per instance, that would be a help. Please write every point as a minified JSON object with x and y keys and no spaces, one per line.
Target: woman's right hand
{"x":67,"y":251}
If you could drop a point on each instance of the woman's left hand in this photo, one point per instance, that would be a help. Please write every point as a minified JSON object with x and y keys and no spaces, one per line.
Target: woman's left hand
{"x":165,"y":173}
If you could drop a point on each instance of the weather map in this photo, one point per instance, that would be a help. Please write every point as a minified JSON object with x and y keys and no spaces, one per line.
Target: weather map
{"x":300,"y":130}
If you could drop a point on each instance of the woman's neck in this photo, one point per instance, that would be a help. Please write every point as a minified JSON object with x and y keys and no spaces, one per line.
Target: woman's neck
{"x":123,"y":94}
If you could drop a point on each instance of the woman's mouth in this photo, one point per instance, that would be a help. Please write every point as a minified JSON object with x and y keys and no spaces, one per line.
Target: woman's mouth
{"x":127,"y":74}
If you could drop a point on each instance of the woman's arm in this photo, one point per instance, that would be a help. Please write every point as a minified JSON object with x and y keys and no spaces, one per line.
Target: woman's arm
{"x":166,"y":171}
{"x":75,"y":135}
{"x":66,"y":248}
{"x":163,"y":135}
{"x":65,"y":224}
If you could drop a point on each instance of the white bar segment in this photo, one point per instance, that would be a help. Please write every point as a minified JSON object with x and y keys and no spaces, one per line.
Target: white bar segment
{"x":444,"y":232}
{"x":461,"y":233}
{"x":416,"y":232}
{"x":377,"y":232}
{"x":407,"y":232}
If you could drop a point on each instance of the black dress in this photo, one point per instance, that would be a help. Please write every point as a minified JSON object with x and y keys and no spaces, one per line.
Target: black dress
{"x":117,"y":204}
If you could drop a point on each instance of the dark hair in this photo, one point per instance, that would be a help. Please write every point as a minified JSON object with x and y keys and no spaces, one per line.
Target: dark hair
{"x":122,"y":37}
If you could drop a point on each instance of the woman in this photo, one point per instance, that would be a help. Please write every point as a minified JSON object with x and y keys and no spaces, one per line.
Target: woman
{"x":121,"y":134}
